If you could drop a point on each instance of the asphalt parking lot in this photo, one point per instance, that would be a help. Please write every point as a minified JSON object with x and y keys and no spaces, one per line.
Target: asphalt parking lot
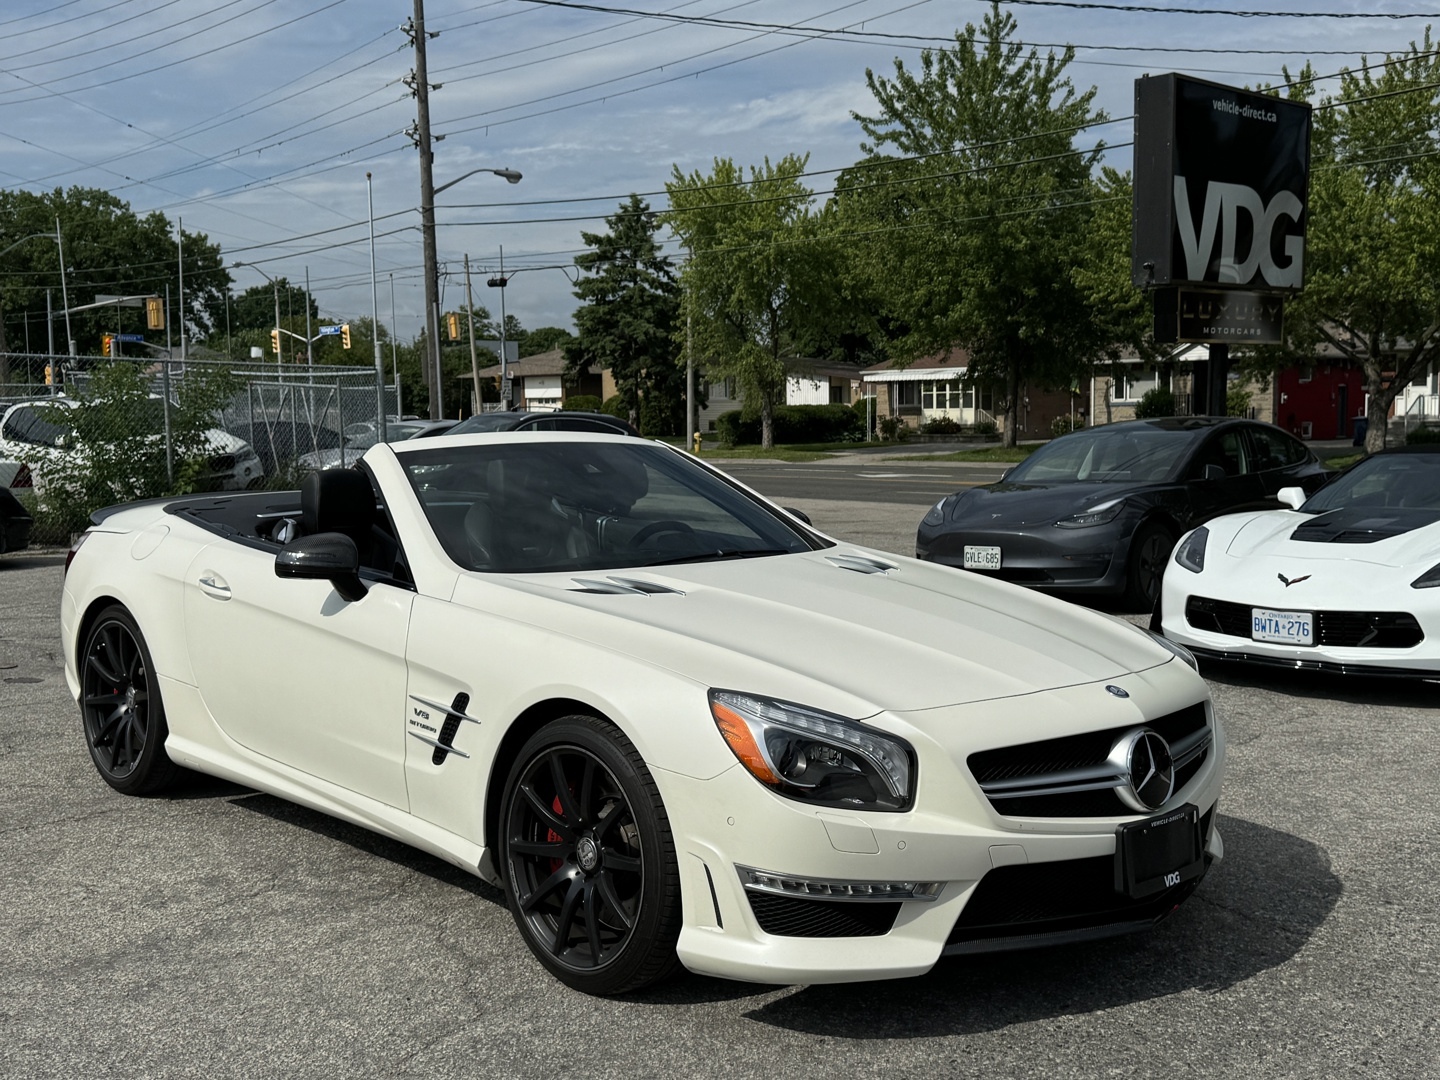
{"x":226,"y":933}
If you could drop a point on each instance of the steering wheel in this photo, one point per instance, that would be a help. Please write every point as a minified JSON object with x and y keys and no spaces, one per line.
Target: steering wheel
{"x":655,"y":528}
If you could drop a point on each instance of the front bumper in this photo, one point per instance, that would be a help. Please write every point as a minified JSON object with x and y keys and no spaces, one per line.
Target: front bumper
{"x":1044,"y":557}
{"x":1223,"y":638}
{"x":1023,"y":881}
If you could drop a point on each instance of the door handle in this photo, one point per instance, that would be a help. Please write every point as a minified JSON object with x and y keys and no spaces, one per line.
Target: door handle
{"x":212,"y":584}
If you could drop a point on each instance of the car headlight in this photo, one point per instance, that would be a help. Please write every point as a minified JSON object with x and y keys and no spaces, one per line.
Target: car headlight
{"x":1191,"y":552}
{"x":936,"y":516}
{"x":1428,"y":580}
{"x":1099,"y":514}
{"x":1179,"y":650}
{"x":813,"y":756}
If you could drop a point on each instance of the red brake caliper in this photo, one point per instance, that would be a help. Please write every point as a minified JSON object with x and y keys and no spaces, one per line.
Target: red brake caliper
{"x":552,"y":837}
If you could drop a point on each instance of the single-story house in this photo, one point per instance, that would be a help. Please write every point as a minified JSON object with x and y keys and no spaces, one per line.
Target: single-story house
{"x":934,"y":388}
{"x":537,"y":382}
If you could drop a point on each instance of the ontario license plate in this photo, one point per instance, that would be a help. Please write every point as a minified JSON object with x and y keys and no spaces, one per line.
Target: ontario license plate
{"x":1159,"y":854}
{"x":981,"y":558}
{"x":1282,"y":627}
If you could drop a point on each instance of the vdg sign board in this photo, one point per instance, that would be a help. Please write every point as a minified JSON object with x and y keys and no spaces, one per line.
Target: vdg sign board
{"x":1222,"y":181}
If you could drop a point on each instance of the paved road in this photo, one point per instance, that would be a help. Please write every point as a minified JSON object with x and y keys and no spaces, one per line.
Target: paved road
{"x":916,"y":484}
{"x":224,"y":933}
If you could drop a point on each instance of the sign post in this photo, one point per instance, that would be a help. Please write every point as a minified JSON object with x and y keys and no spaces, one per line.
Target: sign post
{"x":1222,"y":184}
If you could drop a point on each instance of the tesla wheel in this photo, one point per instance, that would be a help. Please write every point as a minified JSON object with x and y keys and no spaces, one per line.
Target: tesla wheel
{"x":590,"y":869}
{"x":1149,"y":551}
{"x":120,"y":707}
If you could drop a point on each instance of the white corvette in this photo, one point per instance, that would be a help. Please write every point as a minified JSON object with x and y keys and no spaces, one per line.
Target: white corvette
{"x":1347,"y":581}
{"x":676,"y":724}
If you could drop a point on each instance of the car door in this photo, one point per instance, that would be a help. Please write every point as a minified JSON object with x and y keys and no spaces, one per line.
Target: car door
{"x":292,"y":672}
{"x":1281,"y":460}
{"x":1222,"y":478}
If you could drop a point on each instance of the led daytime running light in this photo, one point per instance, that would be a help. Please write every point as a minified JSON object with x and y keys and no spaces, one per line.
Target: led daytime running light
{"x":789,"y":885}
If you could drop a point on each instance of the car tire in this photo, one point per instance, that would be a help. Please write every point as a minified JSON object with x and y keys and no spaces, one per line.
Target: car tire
{"x":121,"y":711}
{"x":1149,"y":550}
{"x":588,"y":859}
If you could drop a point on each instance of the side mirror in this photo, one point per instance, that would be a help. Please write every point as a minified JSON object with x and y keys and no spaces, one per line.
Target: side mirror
{"x":330,"y":557}
{"x":1214,"y":472}
{"x":1006,"y":474}
{"x":1293,"y":497}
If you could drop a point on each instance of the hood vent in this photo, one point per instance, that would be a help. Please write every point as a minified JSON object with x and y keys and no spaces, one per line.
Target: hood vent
{"x":861,"y":564}
{"x":616,"y":586}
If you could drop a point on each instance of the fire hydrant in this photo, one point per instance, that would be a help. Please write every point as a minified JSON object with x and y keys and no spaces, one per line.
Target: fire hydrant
{"x":696,"y":442}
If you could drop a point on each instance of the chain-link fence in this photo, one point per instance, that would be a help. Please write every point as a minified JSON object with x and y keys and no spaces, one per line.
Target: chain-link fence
{"x":105,"y":431}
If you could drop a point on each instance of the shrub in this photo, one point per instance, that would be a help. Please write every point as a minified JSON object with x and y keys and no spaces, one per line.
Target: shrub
{"x":1156,"y":402}
{"x":1064,"y":424}
{"x":793,"y":424}
{"x":986,"y":427}
{"x":615,"y":406}
{"x":1422,"y":434}
{"x":940,"y":425}
{"x":115,"y":447}
{"x":582,"y":403}
{"x":1237,"y":401}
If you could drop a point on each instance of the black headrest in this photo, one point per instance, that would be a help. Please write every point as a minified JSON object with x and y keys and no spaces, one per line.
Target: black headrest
{"x":336,"y":500}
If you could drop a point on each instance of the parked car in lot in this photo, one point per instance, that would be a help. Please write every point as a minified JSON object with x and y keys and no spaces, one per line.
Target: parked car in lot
{"x":521,"y":420}
{"x":359,"y":437}
{"x":673,"y":723}
{"x":1347,"y":580}
{"x":37,"y":434}
{"x":15,"y":522}
{"x":1096,"y":512}
{"x":280,"y":443}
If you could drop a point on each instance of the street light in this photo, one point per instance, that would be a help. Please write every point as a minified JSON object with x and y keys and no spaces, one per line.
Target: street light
{"x":64,"y":292}
{"x":275,"y":287}
{"x":428,"y":191}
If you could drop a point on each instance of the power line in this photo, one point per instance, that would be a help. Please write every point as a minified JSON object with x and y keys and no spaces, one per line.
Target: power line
{"x":1082,"y":5}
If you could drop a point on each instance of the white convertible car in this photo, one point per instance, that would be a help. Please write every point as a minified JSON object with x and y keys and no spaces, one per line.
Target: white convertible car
{"x":675,"y":723}
{"x":1346,"y":581}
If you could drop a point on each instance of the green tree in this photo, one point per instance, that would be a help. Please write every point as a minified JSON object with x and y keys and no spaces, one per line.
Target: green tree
{"x":979,"y":227}
{"x":545,"y":338}
{"x":762,"y":282}
{"x":108,"y":250}
{"x":254,"y":309}
{"x":1373,"y":238}
{"x":629,"y":304}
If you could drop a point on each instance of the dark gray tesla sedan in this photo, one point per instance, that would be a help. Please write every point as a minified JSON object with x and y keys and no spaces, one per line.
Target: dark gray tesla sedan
{"x":1096,"y":512}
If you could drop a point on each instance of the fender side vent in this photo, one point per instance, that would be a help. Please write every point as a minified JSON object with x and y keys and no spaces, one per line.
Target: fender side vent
{"x":617,"y":586}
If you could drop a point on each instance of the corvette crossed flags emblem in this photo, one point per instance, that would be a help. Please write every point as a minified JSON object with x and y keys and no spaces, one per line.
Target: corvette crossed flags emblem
{"x":1292,"y":581}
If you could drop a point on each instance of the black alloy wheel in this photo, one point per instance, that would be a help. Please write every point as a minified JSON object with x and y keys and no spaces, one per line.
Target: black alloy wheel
{"x":120,"y":707}
{"x":590,"y":870}
{"x":1149,"y":551}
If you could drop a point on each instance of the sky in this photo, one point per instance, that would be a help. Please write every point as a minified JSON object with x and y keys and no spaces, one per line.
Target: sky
{"x":256,"y":122}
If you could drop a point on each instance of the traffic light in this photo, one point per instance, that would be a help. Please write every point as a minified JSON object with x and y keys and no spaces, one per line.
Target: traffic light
{"x":275,"y":341}
{"x":452,"y":320}
{"x":345,"y":334}
{"x":107,"y":344}
{"x":154,"y":313}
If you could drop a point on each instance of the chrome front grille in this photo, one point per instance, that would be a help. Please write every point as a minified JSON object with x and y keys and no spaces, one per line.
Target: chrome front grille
{"x":1072,"y":777}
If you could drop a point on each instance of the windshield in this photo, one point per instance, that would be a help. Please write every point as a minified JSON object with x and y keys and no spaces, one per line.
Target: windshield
{"x":1385,"y":481}
{"x":1141,"y":454}
{"x":576,"y":505}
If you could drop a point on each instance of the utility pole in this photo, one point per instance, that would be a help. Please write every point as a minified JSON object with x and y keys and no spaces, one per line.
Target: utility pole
{"x":474,"y":363}
{"x":420,"y":136}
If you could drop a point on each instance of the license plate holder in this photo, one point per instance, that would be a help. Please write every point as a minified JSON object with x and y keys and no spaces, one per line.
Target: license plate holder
{"x":981,"y":557}
{"x":1159,"y":853}
{"x":1282,"y":627}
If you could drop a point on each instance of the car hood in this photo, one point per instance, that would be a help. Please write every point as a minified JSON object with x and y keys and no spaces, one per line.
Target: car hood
{"x":1355,"y":534}
{"x":1010,"y":504}
{"x":845,"y":628}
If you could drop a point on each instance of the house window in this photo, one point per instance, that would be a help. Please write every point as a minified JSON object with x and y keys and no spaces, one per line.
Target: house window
{"x":1132,"y":383}
{"x":906,"y":393}
{"x":1307,"y":372}
{"x":941,"y":395}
